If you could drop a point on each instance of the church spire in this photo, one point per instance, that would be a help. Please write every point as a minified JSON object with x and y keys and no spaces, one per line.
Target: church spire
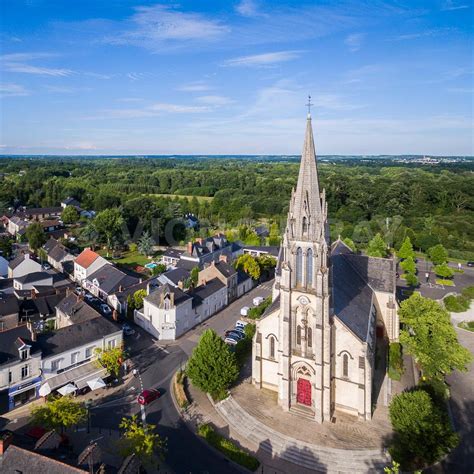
{"x":307,"y":212}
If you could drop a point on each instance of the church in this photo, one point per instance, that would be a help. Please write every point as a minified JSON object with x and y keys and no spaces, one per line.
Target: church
{"x":315,"y":345}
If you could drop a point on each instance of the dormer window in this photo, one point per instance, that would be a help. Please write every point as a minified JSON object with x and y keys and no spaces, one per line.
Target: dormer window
{"x":24,"y":354}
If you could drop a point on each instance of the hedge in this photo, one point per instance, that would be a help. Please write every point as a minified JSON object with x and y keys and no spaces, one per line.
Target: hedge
{"x":395,"y":361}
{"x":456,"y":304}
{"x":179,"y":391}
{"x":227,"y":447}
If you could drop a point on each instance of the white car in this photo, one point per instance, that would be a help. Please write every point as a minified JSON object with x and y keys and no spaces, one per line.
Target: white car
{"x":258,"y":300}
{"x":244,"y":311}
{"x":240,"y":325}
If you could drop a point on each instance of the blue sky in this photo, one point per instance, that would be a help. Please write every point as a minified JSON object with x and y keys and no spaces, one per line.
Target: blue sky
{"x":232,"y":77}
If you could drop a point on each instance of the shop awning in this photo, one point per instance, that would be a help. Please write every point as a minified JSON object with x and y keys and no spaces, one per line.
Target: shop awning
{"x":79,"y":376}
{"x":67,"y":389}
{"x":96,"y":383}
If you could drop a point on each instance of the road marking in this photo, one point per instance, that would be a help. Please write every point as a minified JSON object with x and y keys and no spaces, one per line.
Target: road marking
{"x":142,"y":409}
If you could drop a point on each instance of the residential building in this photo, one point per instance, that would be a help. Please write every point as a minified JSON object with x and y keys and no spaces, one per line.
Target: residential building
{"x":22,"y":265}
{"x":176,"y":277}
{"x":9,"y":311}
{"x":39,"y":213}
{"x":171,"y":256}
{"x":74,"y":310}
{"x":259,"y":250}
{"x":70,"y":201}
{"x":244,"y":283}
{"x":20,"y":368}
{"x":315,"y":345}
{"x":68,"y":354}
{"x":86,"y":264}
{"x":204,"y":251}
{"x":17,"y":225}
{"x":224,"y":272}
{"x":32,"y":280}
{"x":58,"y":254}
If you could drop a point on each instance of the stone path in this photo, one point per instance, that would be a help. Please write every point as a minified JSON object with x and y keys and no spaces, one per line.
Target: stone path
{"x":310,"y":456}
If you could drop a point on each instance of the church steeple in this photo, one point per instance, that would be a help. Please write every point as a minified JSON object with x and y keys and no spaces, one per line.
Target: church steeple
{"x":307,"y":213}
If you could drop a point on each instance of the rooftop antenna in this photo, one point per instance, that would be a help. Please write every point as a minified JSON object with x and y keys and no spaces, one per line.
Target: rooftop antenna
{"x":309,"y":105}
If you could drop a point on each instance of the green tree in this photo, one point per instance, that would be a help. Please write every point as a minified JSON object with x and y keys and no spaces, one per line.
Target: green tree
{"x":62,"y":412}
{"x":143,"y":441}
{"x":350,"y":243}
{"x":438,"y":254}
{"x":406,"y":250}
{"x":249,"y":265}
{"x":429,"y":336}
{"x":408,"y":265}
{"x":411,"y":279}
{"x":145,"y":244}
{"x":423,"y":434}
{"x":108,"y":225}
{"x":89,"y":235}
{"x":35,"y":236}
{"x":138,"y":298}
{"x":159,"y":269}
{"x":70,"y":215}
{"x":444,"y":270}
{"x":212,"y":367}
{"x":194,"y":275}
{"x":6,"y":246}
{"x":274,"y":237}
{"x":111,"y":359}
{"x":377,"y":247}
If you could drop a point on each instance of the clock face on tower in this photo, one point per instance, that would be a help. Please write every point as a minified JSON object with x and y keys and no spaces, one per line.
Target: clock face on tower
{"x":303,"y":300}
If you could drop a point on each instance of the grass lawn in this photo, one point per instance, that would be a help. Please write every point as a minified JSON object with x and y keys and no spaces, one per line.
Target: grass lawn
{"x":199,"y":198}
{"x":469,"y":325}
{"x":130,"y":259}
{"x":445,"y":282}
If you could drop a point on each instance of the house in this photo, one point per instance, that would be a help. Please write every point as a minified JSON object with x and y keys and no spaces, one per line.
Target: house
{"x":22,"y":265}
{"x":224,"y":272}
{"x":86,"y":264}
{"x":68,"y":354}
{"x":17,"y":225}
{"x":191,"y":221}
{"x":176,"y":277}
{"x":29,"y":281}
{"x":9,"y":311}
{"x":259,"y":250}
{"x":3,"y":267}
{"x":40,"y":213}
{"x":108,"y":280}
{"x":58,"y":254}
{"x":70,"y":201}
{"x":40,"y":308}
{"x":15,"y":459}
{"x":119,"y":300}
{"x":204,"y":251}
{"x":171,"y":257}
{"x":244,"y":283}
{"x":74,"y":310}
{"x":50,"y":225}
{"x":168,"y":312}
{"x":20,"y":367}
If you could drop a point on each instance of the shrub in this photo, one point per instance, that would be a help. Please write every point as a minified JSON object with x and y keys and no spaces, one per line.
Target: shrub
{"x":444,"y":270}
{"x":423,"y":434}
{"x":244,"y":346}
{"x":395,"y":361}
{"x":456,"y":304}
{"x":255,"y":313}
{"x":469,"y":325}
{"x":411,"y":279}
{"x":468,"y":292}
{"x":179,"y":391}
{"x":227,"y":447}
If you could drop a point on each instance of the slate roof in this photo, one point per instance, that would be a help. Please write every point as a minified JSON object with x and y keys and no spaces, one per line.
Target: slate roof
{"x":187,"y":264}
{"x":6,"y":284}
{"x":110,"y":279}
{"x":86,"y":258}
{"x":33,"y":211}
{"x":70,"y":201}
{"x":8,"y":305}
{"x":201,"y":292}
{"x":46,"y":305}
{"x":270,"y":249}
{"x":59,"y":252}
{"x":19,"y":260}
{"x":8,"y":345}
{"x":179,"y":295}
{"x":19,"y":460}
{"x":177,"y":275}
{"x":50,"y":244}
{"x":75,"y":335}
{"x":77,"y":309}
{"x":174,"y":253}
{"x":241,"y":277}
{"x":33,"y":277}
{"x":226,"y":269}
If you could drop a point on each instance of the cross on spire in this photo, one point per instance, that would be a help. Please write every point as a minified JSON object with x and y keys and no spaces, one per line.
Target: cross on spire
{"x":309,"y":105}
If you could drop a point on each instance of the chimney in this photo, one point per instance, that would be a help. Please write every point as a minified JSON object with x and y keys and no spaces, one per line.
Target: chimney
{"x":190,"y":247}
{"x":120,"y":289}
{"x":68,"y":291}
{"x":32,"y":331}
{"x":180,"y":284}
{"x":6,"y":439}
{"x":223,"y":258}
{"x":115,"y":315}
{"x":199,"y":239}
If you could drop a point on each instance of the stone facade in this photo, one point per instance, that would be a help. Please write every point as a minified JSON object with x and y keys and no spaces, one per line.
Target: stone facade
{"x":315,"y":344}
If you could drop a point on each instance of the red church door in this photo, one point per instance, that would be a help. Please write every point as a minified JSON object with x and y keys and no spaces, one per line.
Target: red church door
{"x":303,"y":392}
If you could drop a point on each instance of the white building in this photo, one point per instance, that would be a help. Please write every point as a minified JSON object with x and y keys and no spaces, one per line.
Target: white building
{"x":86,"y":264}
{"x":315,"y":344}
{"x":22,"y":265}
{"x":3,"y":267}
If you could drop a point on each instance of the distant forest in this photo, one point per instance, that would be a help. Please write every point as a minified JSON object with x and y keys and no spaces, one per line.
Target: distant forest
{"x":431,"y":204}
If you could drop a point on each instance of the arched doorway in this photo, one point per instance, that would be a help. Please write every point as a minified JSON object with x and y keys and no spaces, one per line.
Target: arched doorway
{"x":303,"y":392}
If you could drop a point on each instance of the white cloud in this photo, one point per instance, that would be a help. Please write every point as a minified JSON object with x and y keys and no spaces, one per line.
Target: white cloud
{"x":18,"y":57}
{"x":425,"y":34}
{"x":354,"y":41}
{"x":215,"y":100}
{"x":450,"y":5}
{"x":40,"y":70}
{"x":160,"y":25}
{"x":262,"y":60}
{"x":13,"y":90}
{"x":179,"y":109}
{"x":247,"y":8}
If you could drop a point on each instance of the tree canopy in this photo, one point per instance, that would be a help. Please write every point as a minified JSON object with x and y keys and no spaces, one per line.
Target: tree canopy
{"x":111,"y":359}
{"x":70,"y":215}
{"x":249,"y":265}
{"x":406,"y":250}
{"x":429,"y":336}
{"x":377,"y":247}
{"x":61,"y":412}
{"x":438,"y":254}
{"x":35,"y":235}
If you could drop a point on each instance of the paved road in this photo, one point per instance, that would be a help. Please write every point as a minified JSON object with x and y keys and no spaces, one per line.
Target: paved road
{"x":157,"y":363}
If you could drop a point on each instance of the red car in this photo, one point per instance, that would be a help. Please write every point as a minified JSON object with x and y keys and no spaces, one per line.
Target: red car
{"x":147,"y":396}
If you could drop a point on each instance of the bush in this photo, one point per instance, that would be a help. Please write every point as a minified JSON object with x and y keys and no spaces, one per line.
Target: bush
{"x":468,"y":292}
{"x":423,"y":434}
{"x":255,"y":313}
{"x":179,"y":391}
{"x":469,"y":325}
{"x":444,"y":270}
{"x":456,"y":304}
{"x":244,"y":346}
{"x":395,"y":361}
{"x":411,"y":279}
{"x":228,"y":448}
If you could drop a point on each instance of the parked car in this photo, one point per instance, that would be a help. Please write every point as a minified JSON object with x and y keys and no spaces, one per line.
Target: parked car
{"x":231,"y":341}
{"x":89,"y":297}
{"x":105,"y":309}
{"x":235,"y":334}
{"x":127,"y":330}
{"x":470,"y":264}
{"x":258,"y":300}
{"x":147,"y":396}
{"x":240,"y":324}
{"x":244,"y":311}
{"x":46,"y":266}
{"x":37,"y":432}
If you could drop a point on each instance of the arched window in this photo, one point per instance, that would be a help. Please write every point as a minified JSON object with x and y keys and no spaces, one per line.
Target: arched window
{"x":310,"y":337}
{"x":272,"y":348}
{"x":298,"y":335}
{"x":299,"y":266}
{"x":309,"y":267}
{"x":345,"y":365}
{"x":305,"y":225}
